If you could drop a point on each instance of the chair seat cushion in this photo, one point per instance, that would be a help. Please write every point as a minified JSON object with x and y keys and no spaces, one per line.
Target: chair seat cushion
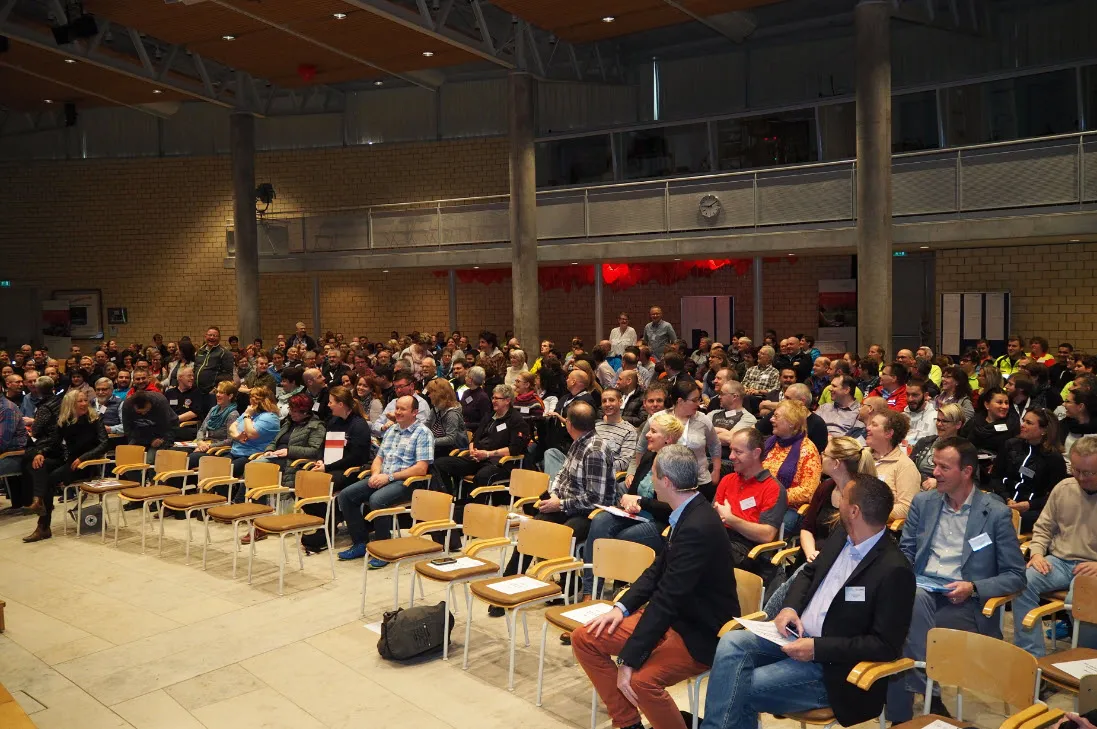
{"x":813,"y":716}
{"x":239,"y":511}
{"x":193,"y":501}
{"x":391,"y":550}
{"x":482,"y":589}
{"x":1060,"y":677}
{"x":90,"y":487}
{"x":288,"y":522}
{"x":555,"y":615}
{"x":1056,"y":595}
{"x":144,"y":493}
{"x":426,"y":569}
{"x":919,"y":722}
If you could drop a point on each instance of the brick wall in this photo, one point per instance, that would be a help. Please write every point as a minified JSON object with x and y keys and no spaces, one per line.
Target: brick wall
{"x":1051,"y":287}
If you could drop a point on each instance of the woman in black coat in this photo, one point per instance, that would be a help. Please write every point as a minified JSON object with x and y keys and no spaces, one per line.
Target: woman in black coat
{"x":1028,"y":466}
{"x":994,"y":424}
{"x":58,"y":458}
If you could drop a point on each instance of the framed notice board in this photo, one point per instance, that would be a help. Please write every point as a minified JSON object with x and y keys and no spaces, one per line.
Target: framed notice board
{"x":968,"y":316}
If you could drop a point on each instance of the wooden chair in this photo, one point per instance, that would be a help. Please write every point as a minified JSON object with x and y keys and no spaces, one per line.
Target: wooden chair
{"x":554,"y":545}
{"x":484,"y":528}
{"x":1083,"y":608}
{"x":310,"y":487}
{"x":168,"y":465}
{"x":261,"y":480}
{"x":213,"y":471}
{"x":613,"y":559}
{"x":431,"y":511}
{"x":525,"y":487}
{"x":127,"y":458}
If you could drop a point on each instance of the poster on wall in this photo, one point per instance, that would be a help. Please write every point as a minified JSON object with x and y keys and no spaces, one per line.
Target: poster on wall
{"x":85,"y":312}
{"x":56,"y":327}
{"x":837,"y":316}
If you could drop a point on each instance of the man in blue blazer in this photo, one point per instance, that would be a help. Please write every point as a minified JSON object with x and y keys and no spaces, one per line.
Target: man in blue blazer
{"x":964,"y":550}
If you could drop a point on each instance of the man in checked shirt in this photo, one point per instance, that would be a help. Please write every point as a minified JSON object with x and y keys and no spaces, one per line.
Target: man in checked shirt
{"x":583,"y":484}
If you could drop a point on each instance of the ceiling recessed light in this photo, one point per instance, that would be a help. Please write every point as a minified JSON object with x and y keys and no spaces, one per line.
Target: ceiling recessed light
{"x":792,"y":254}
{"x":48,"y":101}
{"x":575,"y":263}
{"x":384,"y":270}
{"x":608,"y":19}
{"x":923,"y":247}
{"x":339,"y":16}
{"x":228,"y":37}
{"x":70,"y":60}
{"x":428,"y":54}
{"x":157,"y":91}
{"x":677,"y":259}
{"x":378,"y":83}
{"x":1075,"y":240}
{"x":476,"y":267}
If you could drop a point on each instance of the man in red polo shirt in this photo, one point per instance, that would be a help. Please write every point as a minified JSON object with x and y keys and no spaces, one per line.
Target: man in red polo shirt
{"x":750,"y":501}
{"x":893,"y":386}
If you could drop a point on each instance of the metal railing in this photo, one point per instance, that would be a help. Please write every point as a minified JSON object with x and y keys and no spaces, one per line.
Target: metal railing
{"x":1049,"y":171}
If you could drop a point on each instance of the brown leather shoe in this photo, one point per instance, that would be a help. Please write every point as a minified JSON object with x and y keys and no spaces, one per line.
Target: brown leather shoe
{"x":38,"y":535}
{"x":37,"y":506}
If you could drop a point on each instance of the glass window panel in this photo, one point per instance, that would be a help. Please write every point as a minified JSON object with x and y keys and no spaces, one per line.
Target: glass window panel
{"x":1089,"y":95}
{"x":575,"y":161}
{"x":781,"y":138}
{"x":665,"y":151}
{"x":838,"y":128}
{"x":1014,"y":108}
{"x":914,"y":122}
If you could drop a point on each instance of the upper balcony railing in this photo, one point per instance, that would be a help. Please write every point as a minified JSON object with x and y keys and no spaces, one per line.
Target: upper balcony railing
{"x":1033,"y":173}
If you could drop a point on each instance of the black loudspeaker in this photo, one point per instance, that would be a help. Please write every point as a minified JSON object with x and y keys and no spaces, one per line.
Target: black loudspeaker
{"x":70,"y":114}
{"x":61,"y":34}
{"x":4,"y":44}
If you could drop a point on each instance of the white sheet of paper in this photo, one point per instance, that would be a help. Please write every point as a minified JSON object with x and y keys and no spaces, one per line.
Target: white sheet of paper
{"x":462,"y":563}
{"x":333,"y":447}
{"x":621,"y":512}
{"x":938,"y":724}
{"x":185,"y":444}
{"x":588,"y":612}
{"x":518,"y":584}
{"x":376,"y":628}
{"x":1078,"y":668}
{"x":767,"y":630}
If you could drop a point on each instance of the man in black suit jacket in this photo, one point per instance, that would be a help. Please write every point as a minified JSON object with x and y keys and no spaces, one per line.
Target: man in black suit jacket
{"x":853,"y":603}
{"x":664,"y":630}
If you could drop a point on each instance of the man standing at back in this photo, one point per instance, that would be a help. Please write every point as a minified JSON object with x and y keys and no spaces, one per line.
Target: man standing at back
{"x":658,"y":333}
{"x":212,"y":363}
{"x":663,"y":630}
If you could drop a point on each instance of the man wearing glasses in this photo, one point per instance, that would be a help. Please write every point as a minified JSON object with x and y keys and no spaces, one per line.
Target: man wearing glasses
{"x":404,"y":385}
{"x":1062,"y":546}
{"x":107,"y":404}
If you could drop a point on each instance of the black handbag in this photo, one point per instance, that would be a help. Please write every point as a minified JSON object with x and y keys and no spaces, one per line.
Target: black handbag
{"x":413,"y":632}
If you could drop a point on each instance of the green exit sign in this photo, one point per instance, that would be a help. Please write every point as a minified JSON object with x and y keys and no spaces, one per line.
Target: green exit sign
{"x":899,"y":254}
{"x":5,"y":284}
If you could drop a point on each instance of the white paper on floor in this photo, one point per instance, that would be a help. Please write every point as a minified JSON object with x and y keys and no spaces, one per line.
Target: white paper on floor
{"x":375,"y":627}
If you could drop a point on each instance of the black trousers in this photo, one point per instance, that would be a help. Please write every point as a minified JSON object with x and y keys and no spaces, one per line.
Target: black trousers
{"x":579,"y":523}
{"x":51,"y":474}
{"x":451,"y":470}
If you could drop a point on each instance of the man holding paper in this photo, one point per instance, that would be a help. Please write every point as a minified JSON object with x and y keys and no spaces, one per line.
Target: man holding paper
{"x":664,"y":629}
{"x":850,"y":604}
{"x":964,"y":550}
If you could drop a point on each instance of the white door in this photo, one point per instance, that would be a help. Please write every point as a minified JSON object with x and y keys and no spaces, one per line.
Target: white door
{"x":712,"y":314}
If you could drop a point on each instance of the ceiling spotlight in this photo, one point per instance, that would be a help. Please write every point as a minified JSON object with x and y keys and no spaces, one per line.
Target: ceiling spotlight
{"x":608,"y":19}
{"x":384,"y":270}
{"x":428,"y":54}
{"x":575,"y":263}
{"x":476,"y":267}
{"x":157,"y":91}
{"x":677,"y":259}
{"x":48,"y":101}
{"x":70,"y":60}
{"x":228,"y":37}
{"x":339,"y":16}
{"x":792,"y":254}
{"x":378,"y":83}
{"x":1075,"y":240}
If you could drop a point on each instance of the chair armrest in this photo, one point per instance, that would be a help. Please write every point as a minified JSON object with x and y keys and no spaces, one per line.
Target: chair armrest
{"x":996,"y":602}
{"x":13,"y":454}
{"x":357,"y":470}
{"x":189,"y":424}
{"x":459,"y":453}
{"x":119,"y":470}
{"x":426,"y":527}
{"x":595,"y":513}
{"x":311,"y":500}
{"x":736,"y":625}
{"x":866,"y":673}
{"x":552,"y":567}
{"x":218,"y":450}
{"x":301,"y":461}
{"x":479,"y":545}
{"x":1026,"y":547}
{"x":522,"y":502}
{"x":620,"y":476}
{"x":1049,"y":608}
{"x":783,"y":554}
{"x":260,"y":491}
{"x":494,"y":488}
{"x":209,"y":483}
{"x":510,"y":459}
{"x":766,"y":547}
{"x":391,"y":511}
{"x":416,"y":479}
{"x":1031,"y":717}
{"x":173,"y":474}
{"x":92,"y":462}
{"x":803,"y":509}
{"x":896,"y":525}
{"x":254,"y":456}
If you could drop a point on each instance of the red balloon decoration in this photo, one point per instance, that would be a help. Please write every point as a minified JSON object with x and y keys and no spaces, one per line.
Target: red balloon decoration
{"x":307,"y":72}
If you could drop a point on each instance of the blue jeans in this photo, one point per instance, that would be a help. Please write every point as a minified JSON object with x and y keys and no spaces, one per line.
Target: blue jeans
{"x":1060,"y":576}
{"x":354,"y":497}
{"x":554,"y":461}
{"x":608,"y":526}
{"x":751,"y":675}
{"x":792,"y":521}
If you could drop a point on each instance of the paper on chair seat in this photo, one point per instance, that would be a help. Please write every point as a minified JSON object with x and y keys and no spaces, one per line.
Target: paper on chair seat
{"x":462,"y":563}
{"x":1078,"y":668}
{"x":518,"y":584}
{"x":188,"y":444}
{"x":587,"y":613}
{"x":938,"y":724}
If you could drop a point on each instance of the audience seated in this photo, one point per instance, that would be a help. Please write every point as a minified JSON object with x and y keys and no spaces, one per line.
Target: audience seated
{"x":475,"y":403}
{"x":663,"y":630}
{"x":254,"y":429}
{"x":949,"y":420}
{"x":632,"y":397}
{"x":403,"y":384}
{"x":841,"y":412}
{"x":843,"y":458}
{"x":729,"y":416}
{"x":301,"y":436}
{"x":751,"y":503}
{"x":187,"y":403}
{"x":698,"y":434}
{"x":894,"y":467}
{"x":444,"y":418}
{"x":994,"y":424}
{"x":1080,"y":408}
{"x":775,"y":396}
{"x":964,"y":550}
{"x":614,"y":430}
{"x":505,"y":433}
{"x":920,"y":411}
{"x":316,"y":387}
{"x":214,"y":430}
{"x":556,"y":438}
{"x":893,"y":386}
{"x":792,"y":458}
{"x":814,"y":426}
{"x":762,"y":377}
{"x":106,"y":404}
{"x":1029,"y":466}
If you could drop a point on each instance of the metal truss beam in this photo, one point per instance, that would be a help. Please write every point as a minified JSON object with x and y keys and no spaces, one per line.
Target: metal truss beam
{"x":80,"y":89}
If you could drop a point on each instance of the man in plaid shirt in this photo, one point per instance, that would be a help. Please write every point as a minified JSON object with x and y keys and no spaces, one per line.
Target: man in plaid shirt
{"x":584,"y":483}
{"x":763,"y":377}
{"x":13,"y":437}
{"x":407,"y":450}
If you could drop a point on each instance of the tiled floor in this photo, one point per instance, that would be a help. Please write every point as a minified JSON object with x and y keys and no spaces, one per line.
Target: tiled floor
{"x":100,"y":637}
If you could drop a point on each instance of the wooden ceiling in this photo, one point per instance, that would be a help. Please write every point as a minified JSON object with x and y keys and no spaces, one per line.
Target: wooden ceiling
{"x":580,"y":21}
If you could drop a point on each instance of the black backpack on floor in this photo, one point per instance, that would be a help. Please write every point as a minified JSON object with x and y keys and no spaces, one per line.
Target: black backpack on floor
{"x":413,"y":632}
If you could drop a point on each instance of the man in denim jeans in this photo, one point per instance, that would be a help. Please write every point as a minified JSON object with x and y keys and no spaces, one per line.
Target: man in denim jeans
{"x":407,"y":450}
{"x":1064,"y":545}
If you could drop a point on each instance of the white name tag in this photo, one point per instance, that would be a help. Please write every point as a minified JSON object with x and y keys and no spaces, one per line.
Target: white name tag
{"x":1027,"y":472}
{"x":468,"y":399}
{"x":1001,"y":427}
{"x":979,"y":542}
{"x":748,"y":503}
{"x":524,"y":411}
{"x":501,"y":427}
{"x":855,"y":594}
{"x":173,"y":403}
{"x":316,"y":407}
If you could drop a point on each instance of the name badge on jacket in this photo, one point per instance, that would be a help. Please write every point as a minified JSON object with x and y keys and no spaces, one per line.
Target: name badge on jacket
{"x":747,"y":503}
{"x":855,"y":594}
{"x":500,"y":427}
{"x":979,"y":542}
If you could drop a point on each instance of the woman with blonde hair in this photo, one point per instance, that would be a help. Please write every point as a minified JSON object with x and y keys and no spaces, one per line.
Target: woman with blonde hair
{"x":639,"y":499}
{"x":57,"y":457}
{"x":842,"y":458}
{"x":517,"y":366}
{"x":593,"y":387}
{"x":792,"y":458}
{"x":445,"y":419}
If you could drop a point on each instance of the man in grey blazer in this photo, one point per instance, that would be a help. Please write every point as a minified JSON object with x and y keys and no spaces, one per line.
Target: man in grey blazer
{"x":964,"y":550}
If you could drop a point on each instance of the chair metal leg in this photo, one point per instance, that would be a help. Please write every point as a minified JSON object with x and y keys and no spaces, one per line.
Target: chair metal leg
{"x":411,"y":602}
{"x":64,"y":508}
{"x":186,"y":559}
{"x":331,"y":552}
{"x":206,"y":541}
{"x":512,"y":616}
{"x":445,"y":622}
{"x":300,"y":551}
{"x":468,"y":627}
{"x":525,"y":629}
{"x":251,"y":547}
{"x":144,"y":512}
{"x":593,"y":708}
{"x":365,"y":578}
{"x":235,"y":545}
{"x":395,"y":583}
{"x":281,"y":563}
{"x":161,"y":547}
{"x":541,"y":661}
{"x":103,"y":503}
{"x":79,"y":511}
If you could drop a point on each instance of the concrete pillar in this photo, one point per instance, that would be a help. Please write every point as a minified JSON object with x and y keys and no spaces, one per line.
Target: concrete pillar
{"x":872,"y":19}
{"x":759,"y":302}
{"x":242,"y":146}
{"x":453,"y":300}
{"x":599,"y":324}
{"x":523,"y":211}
